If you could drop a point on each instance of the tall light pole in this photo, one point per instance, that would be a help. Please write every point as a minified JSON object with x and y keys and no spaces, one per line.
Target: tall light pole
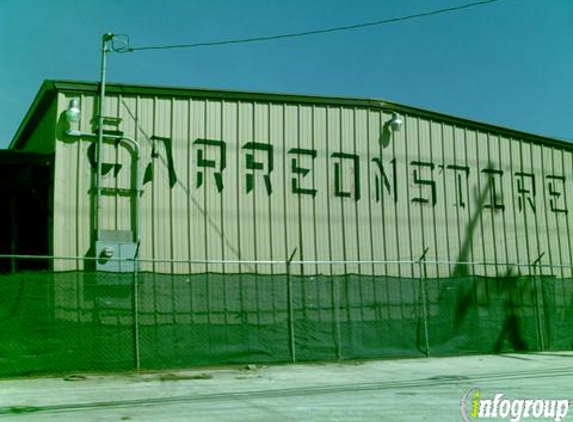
{"x":73,"y":114}
{"x":106,"y":39}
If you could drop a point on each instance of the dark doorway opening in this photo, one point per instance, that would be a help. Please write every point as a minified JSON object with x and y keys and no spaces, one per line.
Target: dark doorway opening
{"x":25,"y":209}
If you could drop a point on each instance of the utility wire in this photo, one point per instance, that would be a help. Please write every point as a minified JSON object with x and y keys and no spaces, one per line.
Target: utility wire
{"x":127,"y":49}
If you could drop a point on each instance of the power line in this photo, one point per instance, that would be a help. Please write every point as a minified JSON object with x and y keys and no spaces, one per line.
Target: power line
{"x":127,"y":49}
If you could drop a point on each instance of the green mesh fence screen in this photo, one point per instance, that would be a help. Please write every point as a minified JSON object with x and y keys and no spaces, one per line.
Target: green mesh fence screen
{"x":82,"y":321}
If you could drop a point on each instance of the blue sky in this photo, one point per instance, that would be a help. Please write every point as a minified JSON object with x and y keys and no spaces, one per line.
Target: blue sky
{"x":509,"y":63}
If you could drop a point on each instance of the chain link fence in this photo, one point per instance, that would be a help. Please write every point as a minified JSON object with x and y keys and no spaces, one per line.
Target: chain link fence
{"x":62,"y":321}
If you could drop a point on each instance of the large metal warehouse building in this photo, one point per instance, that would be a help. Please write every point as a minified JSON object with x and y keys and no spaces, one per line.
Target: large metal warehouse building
{"x":239,"y":176}
{"x":358,"y":201}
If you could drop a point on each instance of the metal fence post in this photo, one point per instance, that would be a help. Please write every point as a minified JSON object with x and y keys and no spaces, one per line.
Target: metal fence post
{"x":424,"y":304}
{"x":292,"y":342}
{"x":538,"y":310}
{"x":336,"y":312}
{"x":136,"y":344}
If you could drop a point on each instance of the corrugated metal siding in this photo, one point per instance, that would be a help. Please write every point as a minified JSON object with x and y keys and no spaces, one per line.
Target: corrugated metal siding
{"x":72,"y":187}
{"x":328,"y":182}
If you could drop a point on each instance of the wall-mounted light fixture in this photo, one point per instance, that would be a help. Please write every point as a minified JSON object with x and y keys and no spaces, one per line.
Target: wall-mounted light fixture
{"x":396,"y":123}
{"x":73,"y":111}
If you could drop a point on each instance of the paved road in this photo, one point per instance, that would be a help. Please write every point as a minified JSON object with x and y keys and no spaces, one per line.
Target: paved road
{"x":393,"y":390}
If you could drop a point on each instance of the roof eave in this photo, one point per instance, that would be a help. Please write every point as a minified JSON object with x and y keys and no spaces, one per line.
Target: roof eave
{"x":51,"y":87}
{"x":41,"y":101}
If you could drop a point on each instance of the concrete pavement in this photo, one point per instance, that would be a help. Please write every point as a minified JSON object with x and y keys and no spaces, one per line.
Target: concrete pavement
{"x":393,"y":390}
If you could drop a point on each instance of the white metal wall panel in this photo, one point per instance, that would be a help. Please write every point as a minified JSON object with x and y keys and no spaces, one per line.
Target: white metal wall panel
{"x":144,"y":112}
{"x":405,"y":152}
{"x":319,"y":174}
{"x":529,"y":214}
{"x":72,"y":184}
{"x":552,"y":238}
{"x":255,"y":180}
{"x":510,"y":210}
{"x":567,"y":234}
{"x":230,"y":193}
{"x":335,"y":216}
{"x":123,"y":180}
{"x":448,"y":196}
{"x":361,"y":145}
{"x":292,"y":203}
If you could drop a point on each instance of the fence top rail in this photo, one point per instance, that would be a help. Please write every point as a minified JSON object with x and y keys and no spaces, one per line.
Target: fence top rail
{"x":290,"y":262}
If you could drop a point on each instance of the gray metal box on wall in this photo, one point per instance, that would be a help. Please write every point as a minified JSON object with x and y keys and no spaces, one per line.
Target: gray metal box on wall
{"x":115,"y":255}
